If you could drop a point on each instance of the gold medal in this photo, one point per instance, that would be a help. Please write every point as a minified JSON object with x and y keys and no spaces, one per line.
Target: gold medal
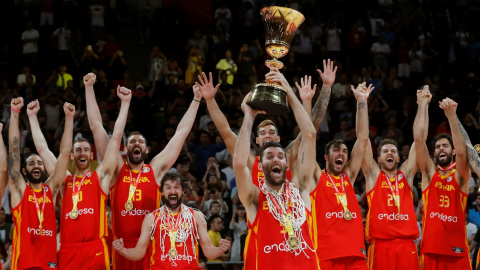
{"x":172,"y":253}
{"x":73,"y":214}
{"x":129,"y":205}
{"x":40,"y":228}
{"x":347,"y":215}
{"x":293,"y":242}
{"x":477,"y":148}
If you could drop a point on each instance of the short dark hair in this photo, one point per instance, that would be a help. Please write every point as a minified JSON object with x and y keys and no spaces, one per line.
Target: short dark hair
{"x":32,"y":154}
{"x":333,"y":143}
{"x":212,"y":218}
{"x":442,"y":136}
{"x":81,"y":139}
{"x":136,"y":133}
{"x":220,"y":206}
{"x":385,"y":142}
{"x":268,"y":145}
{"x":172,"y":177}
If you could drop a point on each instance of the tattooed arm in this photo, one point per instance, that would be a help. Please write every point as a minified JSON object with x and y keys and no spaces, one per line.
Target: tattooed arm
{"x":16,"y":183}
{"x":472,"y":155}
{"x":3,"y":165}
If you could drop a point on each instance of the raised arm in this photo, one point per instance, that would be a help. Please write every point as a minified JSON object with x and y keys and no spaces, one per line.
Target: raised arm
{"x":95,"y":119}
{"x":304,"y":166}
{"x":472,"y":155}
{"x":16,"y":182}
{"x":362,"y":129}
{"x":209,"y":250}
{"x":106,"y":170}
{"x":58,"y":177}
{"x":49,"y":159}
{"x":247,"y":191}
{"x":463,"y":169}
{"x":162,"y":162}
{"x":426,"y":165}
{"x":219,"y":119}
{"x":138,"y":252}
{"x":3,"y":165}
{"x":306,"y":92}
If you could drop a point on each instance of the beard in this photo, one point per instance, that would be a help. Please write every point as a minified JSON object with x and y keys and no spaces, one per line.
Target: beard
{"x":447,"y":161}
{"x":170,"y":205}
{"x":136,"y":160}
{"x":32,"y":179}
{"x":332,"y":168}
{"x":270,"y":179}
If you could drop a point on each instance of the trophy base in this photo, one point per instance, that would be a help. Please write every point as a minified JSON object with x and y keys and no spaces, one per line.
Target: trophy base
{"x":270,"y":98}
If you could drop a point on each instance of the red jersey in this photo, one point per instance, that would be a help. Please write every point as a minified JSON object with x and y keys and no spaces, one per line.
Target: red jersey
{"x":334,"y":236}
{"x":271,"y":248}
{"x":128,"y":224}
{"x":257,"y":174}
{"x":383,"y":220}
{"x":91,"y":223}
{"x":444,"y":229}
{"x":187,"y":257}
{"x":29,"y":247}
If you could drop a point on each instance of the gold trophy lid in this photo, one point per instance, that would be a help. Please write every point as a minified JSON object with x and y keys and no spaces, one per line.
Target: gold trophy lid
{"x":280,"y":24}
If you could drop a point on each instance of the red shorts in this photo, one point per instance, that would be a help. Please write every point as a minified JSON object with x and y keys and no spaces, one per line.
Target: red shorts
{"x":86,"y":255}
{"x":393,"y":254}
{"x":444,"y":262}
{"x":121,"y":263}
{"x":344,"y":263}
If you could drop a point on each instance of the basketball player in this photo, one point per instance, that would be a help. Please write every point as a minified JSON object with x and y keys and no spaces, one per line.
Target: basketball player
{"x":83,"y":217}
{"x":391,"y":222}
{"x":276,"y":203}
{"x":445,"y":187}
{"x":174,"y":230}
{"x":134,"y":187}
{"x":34,"y":236}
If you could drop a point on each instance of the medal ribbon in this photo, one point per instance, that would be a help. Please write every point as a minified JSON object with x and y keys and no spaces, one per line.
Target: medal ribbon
{"x":396,"y":193}
{"x":76,"y":194}
{"x":287,"y":218}
{"x":39,"y":212}
{"x":133,"y":185}
{"x":173,"y":233}
{"x":342,"y":197}
{"x":448,"y":168}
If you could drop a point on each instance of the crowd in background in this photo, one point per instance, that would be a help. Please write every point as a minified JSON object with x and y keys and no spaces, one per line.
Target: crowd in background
{"x":397,"y":46}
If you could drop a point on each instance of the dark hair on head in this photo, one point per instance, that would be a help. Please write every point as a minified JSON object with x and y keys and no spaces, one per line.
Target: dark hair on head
{"x":333,"y":144}
{"x":219,"y":204}
{"x":214,"y":186}
{"x":173,"y":177}
{"x":136,"y":133}
{"x":212,"y":218}
{"x":442,"y":136}
{"x":268,"y":145}
{"x":31,"y":155}
{"x":81,"y":139}
{"x":266,"y":122}
{"x":385,"y":142}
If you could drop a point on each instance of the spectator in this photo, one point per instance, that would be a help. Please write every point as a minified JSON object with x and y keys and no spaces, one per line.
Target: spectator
{"x":474,"y":213}
{"x":62,"y":41}
{"x":97,"y":23}
{"x":194,"y":66}
{"x":117,"y":67}
{"x":212,"y":194}
{"x":227,"y":65}
{"x":5,"y":227}
{"x":216,"y":224}
{"x":380,"y":51}
{"x":22,"y":78}
{"x":30,"y":45}
{"x":199,"y":43}
{"x":238,"y":225}
{"x":223,"y":17}
{"x":59,"y":80}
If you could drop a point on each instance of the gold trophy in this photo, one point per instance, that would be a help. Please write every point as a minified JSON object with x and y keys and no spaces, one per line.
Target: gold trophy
{"x":280,"y":25}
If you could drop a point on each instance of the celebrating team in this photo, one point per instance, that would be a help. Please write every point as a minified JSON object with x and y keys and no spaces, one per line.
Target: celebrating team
{"x":299,"y":216}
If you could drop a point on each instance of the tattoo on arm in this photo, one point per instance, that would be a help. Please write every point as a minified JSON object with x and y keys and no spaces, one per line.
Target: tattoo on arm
{"x":303,"y":156}
{"x":361,"y":105}
{"x":464,"y":133}
{"x":14,"y":160}
{"x":318,"y":112}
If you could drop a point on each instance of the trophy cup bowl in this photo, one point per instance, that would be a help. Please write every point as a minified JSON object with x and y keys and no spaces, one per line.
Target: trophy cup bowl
{"x":280,"y":25}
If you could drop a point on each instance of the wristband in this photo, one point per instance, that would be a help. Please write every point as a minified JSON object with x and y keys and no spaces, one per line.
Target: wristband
{"x":13,"y":110}
{"x":196,"y":100}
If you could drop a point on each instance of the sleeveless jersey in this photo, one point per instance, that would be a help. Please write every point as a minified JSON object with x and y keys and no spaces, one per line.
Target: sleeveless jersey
{"x":444,"y":229}
{"x":272,"y":251}
{"x":383,"y":220}
{"x":91,"y":223}
{"x":334,"y":236}
{"x":187,"y":257}
{"x":257,"y":175}
{"x":29,"y":247}
{"x":128,"y":224}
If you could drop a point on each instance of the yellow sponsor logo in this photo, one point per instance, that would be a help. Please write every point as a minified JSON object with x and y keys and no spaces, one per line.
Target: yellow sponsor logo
{"x":144,"y":179}
{"x":345,"y":183}
{"x":77,"y":183}
{"x":40,"y":200}
{"x":385,"y":185}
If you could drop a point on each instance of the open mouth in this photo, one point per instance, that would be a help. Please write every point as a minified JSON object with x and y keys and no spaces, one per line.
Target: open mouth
{"x":389,"y":160}
{"x":277,"y":171}
{"x":36,"y":173}
{"x":442,"y":156}
{"x":137,"y":152}
{"x":172,"y":199}
{"x":339,"y":163}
